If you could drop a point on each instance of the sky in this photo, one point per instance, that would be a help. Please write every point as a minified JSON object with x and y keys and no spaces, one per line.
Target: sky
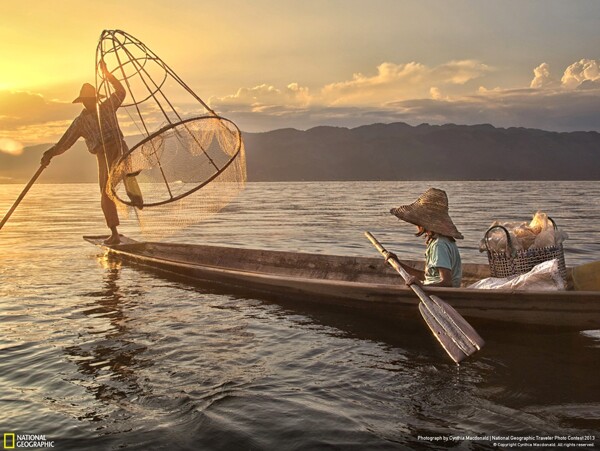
{"x":288,"y":63}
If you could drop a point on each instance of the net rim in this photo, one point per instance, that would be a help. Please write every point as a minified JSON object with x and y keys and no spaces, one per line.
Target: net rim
{"x":162,"y":130}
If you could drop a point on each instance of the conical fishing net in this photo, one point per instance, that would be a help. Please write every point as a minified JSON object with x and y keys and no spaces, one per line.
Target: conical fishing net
{"x":186,"y":162}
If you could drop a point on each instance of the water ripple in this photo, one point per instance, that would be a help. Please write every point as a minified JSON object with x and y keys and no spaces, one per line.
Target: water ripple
{"x":97,"y":354}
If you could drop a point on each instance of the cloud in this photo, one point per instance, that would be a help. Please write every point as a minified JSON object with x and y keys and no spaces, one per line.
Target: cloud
{"x":542,"y":77}
{"x":401,"y":81}
{"x":583,"y":74}
{"x":415,"y":93}
{"x":392,"y":82}
{"x":435,"y":93}
{"x":19,"y":108}
{"x":265,"y":97}
{"x":453,"y":92}
{"x":559,"y":110}
{"x":27,"y":117}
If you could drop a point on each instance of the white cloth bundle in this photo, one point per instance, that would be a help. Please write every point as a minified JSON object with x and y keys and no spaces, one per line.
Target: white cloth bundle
{"x":543,"y":277}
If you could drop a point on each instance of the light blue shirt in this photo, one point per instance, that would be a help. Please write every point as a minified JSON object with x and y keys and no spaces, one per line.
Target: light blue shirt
{"x":442,"y":253}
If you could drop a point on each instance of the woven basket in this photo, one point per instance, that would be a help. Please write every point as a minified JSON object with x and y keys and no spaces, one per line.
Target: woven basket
{"x":513,"y":262}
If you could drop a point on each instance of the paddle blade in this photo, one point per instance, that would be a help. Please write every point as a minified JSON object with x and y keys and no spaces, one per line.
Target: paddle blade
{"x":442,"y":320}
{"x":587,"y":277}
{"x":461,"y":324}
{"x":441,"y":334}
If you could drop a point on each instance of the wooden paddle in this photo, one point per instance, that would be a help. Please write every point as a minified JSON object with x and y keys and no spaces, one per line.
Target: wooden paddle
{"x":454,"y":333}
{"x":22,"y":195}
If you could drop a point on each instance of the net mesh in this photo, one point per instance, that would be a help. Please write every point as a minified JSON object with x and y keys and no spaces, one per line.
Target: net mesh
{"x":183,"y":162}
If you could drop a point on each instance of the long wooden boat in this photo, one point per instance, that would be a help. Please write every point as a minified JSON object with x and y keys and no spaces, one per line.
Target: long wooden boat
{"x":360,"y":283}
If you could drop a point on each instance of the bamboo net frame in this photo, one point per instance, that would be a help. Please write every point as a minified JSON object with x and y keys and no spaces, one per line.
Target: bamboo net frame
{"x":186,"y":160}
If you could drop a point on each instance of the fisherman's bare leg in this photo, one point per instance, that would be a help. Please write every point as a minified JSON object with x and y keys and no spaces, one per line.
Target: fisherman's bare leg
{"x":108,"y":205}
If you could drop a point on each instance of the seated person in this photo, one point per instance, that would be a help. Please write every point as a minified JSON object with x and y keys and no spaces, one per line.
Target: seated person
{"x":442,"y":258}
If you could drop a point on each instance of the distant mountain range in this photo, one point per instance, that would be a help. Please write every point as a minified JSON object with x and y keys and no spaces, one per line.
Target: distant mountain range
{"x":395,"y":151}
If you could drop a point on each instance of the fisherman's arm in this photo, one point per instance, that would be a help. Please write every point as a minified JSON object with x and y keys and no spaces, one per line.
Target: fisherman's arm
{"x":416,"y":276}
{"x":116,"y":99}
{"x":416,"y":273}
{"x":445,"y":279}
{"x":64,"y":143}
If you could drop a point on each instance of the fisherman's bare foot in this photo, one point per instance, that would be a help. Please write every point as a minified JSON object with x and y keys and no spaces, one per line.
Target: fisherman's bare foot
{"x":113,"y":239}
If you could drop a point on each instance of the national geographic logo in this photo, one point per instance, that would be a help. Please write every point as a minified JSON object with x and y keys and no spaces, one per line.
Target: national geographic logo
{"x":9,"y":441}
{"x":21,"y":441}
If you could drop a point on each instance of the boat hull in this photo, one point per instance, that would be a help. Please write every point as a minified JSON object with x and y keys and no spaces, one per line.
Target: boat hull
{"x":362,"y":284}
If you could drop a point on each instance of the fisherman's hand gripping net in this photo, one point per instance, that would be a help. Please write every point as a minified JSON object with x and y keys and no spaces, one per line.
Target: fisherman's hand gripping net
{"x":186,"y":161}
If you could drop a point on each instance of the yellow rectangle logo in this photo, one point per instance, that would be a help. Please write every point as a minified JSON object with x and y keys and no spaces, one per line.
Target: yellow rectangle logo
{"x":9,"y":440}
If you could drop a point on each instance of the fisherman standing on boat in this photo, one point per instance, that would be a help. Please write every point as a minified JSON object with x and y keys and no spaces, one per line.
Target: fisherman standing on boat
{"x":98,"y":125}
{"x":442,"y":258}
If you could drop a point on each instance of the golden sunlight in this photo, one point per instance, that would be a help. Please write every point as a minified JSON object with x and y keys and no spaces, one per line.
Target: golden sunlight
{"x":10,"y":146}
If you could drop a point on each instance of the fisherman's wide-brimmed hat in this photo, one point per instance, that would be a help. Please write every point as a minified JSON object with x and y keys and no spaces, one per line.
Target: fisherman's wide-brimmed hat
{"x":87,"y":92}
{"x":429,"y":211}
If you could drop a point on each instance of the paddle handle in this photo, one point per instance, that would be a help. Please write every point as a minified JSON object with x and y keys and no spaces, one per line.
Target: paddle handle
{"x":22,"y":195}
{"x":397,"y":266}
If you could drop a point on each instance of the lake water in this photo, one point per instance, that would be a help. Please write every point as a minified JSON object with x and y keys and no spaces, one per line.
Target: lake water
{"x":99,"y":355}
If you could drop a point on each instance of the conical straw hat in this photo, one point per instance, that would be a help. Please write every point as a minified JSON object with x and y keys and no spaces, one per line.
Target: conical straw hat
{"x":87,"y":92}
{"x":429,"y":211}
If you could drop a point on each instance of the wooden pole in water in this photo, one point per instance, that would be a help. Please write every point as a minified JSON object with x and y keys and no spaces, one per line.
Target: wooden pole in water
{"x":22,"y":195}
